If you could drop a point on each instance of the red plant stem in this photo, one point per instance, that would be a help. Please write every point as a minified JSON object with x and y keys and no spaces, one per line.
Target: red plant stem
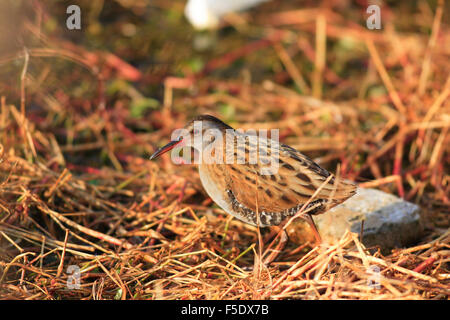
{"x":424,"y":264}
{"x":398,"y":165}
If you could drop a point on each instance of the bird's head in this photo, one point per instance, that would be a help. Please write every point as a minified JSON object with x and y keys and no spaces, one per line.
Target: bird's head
{"x":201,"y":133}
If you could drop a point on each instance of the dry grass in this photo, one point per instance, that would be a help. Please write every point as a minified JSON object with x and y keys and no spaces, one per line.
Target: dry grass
{"x":77,"y":189}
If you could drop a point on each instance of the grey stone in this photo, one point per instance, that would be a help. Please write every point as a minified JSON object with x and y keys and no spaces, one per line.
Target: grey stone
{"x":389,"y":221}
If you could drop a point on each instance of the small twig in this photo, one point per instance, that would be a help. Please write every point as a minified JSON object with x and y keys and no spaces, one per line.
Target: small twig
{"x":55,"y":215}
{"x":424,"y":264}
{"x":22,"y":82}
{"x":385,"y":77}
{"x":291,"y":68}
{"x":424,"y":75}
{"x":61,"y":263}
{"x":379,"y":182}
{"x":319,"y":63}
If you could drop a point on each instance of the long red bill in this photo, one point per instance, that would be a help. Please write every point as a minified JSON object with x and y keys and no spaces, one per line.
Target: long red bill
{"x":166,"y":148}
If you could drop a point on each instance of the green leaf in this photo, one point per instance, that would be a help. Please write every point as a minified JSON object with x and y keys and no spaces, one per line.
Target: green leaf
{"x":139,"y":106}
{"x":118,"y":295}
{"x":196,"y":64}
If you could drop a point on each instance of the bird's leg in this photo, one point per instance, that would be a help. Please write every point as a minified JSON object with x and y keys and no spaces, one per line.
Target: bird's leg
{"x":311,"y":223}
{"x":280,"y":246}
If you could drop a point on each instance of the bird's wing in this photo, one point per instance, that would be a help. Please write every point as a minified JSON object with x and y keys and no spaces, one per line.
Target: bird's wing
{"x":292,"y":183}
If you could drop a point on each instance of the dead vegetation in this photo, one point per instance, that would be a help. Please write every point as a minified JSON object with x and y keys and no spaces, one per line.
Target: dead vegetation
{"x":77,"y":125}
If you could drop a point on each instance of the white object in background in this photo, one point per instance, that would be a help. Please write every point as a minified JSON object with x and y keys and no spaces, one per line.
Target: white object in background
{"x":206,"y":14}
